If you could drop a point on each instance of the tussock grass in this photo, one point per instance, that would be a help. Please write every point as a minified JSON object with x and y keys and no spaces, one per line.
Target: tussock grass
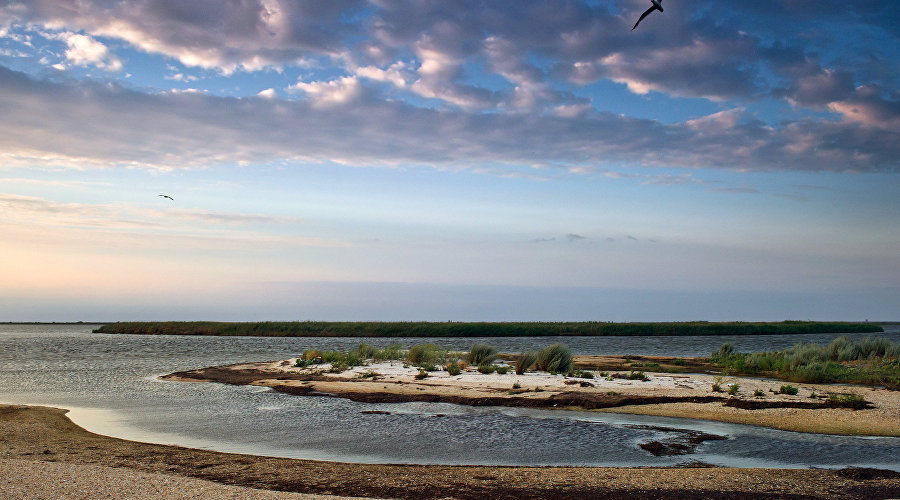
{"x":482,"y":354}
{"x":555,"y":358}
{"x":525,"y":362}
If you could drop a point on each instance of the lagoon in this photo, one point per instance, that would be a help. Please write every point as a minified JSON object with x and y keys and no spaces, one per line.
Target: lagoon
{"x":110,"y":383}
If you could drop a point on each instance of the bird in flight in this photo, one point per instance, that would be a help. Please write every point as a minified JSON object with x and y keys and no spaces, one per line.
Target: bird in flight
{"x":657,"y":5}
{"x":166,"y":196}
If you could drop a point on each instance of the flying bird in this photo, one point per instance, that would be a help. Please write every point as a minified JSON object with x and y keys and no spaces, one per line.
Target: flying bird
{"x":166,"y":196}
{"x":657,"y":5}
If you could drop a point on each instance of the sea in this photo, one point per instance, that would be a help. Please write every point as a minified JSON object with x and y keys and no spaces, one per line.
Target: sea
{"x":110,"y":385}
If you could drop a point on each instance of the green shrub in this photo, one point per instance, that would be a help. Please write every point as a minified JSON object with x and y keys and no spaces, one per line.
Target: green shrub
{"x":364,"y":351}
{"x":426,"y":353}
{"x":516,"y":385}
{"x":733,"y":389}
{"x":679,"y":362}
{"x":633,"y":375}
{"x":525,"y":362}
{"x":555,"y":358}
{"x":422,"y":374}
{"x":788,"y":389}
{"x":453,"y":369}
{"x":391,"y":352}
{"x":758,"y":393}
{"x":851,"y":400}
{"x":487,"y":368}
{"x":502,"y":369}
{"x":482,"y":354}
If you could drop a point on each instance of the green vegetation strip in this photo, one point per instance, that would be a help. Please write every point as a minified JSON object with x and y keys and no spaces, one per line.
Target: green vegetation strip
{"x":480,"y":329}
{"x":867,"y":361}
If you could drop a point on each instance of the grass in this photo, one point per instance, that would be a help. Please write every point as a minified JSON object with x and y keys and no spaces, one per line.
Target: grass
{"x":851,"y":400}
{"x":868,"y":361}
{"x":789,"y":390}
{"x":555,"y":358}
{"x":482,"y":354}
{"x":526,"y":361}
{"x":480,"y":329}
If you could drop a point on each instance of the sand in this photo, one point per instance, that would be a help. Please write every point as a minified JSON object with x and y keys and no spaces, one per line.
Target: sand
{"x":44,"y":455}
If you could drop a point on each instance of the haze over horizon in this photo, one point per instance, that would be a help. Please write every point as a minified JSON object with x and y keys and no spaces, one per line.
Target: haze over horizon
{"x":449,"y":160}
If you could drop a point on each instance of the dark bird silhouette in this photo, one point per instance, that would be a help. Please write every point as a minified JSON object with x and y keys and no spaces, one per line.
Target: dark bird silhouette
{"x":657,"y":5}
{"x":166,"y":196}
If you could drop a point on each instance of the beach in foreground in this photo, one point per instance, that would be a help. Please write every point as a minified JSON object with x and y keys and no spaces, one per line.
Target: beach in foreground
{"x":755,"y":401}
{"x":42,"y":439}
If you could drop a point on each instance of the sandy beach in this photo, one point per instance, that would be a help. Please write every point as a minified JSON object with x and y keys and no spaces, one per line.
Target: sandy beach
{"x":37,"y":441}
{"x":756,"y":401}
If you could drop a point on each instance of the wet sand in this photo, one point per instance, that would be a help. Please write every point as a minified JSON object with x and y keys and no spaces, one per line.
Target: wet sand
{"x":43,"y":439}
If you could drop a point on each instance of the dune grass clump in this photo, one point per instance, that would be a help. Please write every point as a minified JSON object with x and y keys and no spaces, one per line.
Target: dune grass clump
{"x":453,"y":369}
{"x":851,"y":400}
{"x":391,"y":352}
{"x":525,"y":362}
{"x":486,"y":368}
{"x":426,"y":353}
{"x":555,"y":358}
{"x":482,"y":354}
{"x":789,"y":390}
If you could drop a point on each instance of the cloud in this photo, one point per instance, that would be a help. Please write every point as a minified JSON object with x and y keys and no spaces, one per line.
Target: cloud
{"x":88,"y":124}
{"x":85,"y":51}
{"x":576,"y":237}
{"x":227,"y":36}
{"x":30,"y":210}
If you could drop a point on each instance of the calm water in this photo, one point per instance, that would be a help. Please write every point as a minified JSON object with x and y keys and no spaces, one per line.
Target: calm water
{"x":110,"y":383}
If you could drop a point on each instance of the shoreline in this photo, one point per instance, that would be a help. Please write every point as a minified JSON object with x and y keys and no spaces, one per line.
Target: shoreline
{"x":36,"y":436}
{"x":664,"y":394}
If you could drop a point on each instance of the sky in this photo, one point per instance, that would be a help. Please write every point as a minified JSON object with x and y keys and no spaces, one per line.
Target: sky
{"x":449,"y":160}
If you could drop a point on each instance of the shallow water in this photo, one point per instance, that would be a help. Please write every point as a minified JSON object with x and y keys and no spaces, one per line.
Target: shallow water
{"x":110,"y":383}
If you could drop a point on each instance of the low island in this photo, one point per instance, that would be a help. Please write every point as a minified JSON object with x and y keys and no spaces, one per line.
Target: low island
{"x":846,"y":388}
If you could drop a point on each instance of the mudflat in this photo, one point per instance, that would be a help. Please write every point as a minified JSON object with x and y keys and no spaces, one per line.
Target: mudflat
{"x":41,"y":437}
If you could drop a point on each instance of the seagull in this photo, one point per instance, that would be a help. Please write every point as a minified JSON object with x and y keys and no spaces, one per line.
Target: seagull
{"x":166,"y":196}
{"x":657,"y":5}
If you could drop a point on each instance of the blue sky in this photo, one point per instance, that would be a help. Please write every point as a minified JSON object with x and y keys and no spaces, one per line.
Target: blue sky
{"x":442,"y":160}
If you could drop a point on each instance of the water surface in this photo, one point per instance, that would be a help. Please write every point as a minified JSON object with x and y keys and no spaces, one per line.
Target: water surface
{"x":110,"y":383}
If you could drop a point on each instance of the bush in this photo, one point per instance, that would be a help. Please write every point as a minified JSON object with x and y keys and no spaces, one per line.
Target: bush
{"x":851,"y":400}
{"x":422,"y":374}
{"x":502,"y":369}
{"x":517,"y":385}
{"x":453,"y":369}
{"x":759,"y":393}
{"x":391,"y":352}
{"x":555,"y":358}
{"x":788,"y":389}
{"x":426,"y":353}
{"x":482,"y":354}
{"x":633,"y":375}
{"x":525,"y":362}
{"x":733,"y":389}
{"x":486,"y":368}
{"x":364,"y":351}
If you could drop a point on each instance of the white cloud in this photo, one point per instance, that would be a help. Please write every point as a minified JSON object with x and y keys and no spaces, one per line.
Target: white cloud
{"x":335,"y":92}
{"x":85,"y":51}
